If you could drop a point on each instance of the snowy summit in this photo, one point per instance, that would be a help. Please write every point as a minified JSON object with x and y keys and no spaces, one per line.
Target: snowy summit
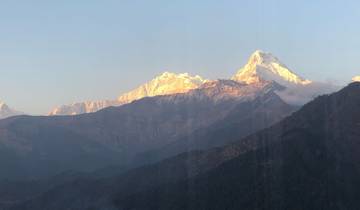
{"x":165,"y":84}
{"x":265,"y":66}
{"x":261,"y":67}
{"x":356,"y":79}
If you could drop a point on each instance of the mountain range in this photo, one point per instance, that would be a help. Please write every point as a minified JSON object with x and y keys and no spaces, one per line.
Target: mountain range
{"x":34,"y":146}
{"x":183,"y":113}
{"x":183,"y":142}
{"x":169,"y":115}
{"x":309,"y":160}
{"x":165,"y":84}
{"x":261,"y":66}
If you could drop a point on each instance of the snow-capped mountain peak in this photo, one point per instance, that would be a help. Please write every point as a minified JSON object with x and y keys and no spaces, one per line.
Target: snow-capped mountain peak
{"x":165,"y":84}
{"x":260,"y":57}
{"x":356,"y":79}
{"x":265,"y":66}
{"x":262,"y":68}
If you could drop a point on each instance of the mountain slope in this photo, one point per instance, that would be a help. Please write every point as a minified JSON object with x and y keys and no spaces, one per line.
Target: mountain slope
{"x":261,"y":66}
{"x":309,"y":160}
{"x":165,"y":84}
{"x":246,"y":118}
{"x":34,"y":146}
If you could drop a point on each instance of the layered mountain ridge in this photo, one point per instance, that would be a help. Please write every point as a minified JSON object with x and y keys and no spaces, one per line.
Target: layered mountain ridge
{"x":209,"y":130}
{"x":171,"y":112}
{"x":309,"y":160}
{"x":116,"y":135}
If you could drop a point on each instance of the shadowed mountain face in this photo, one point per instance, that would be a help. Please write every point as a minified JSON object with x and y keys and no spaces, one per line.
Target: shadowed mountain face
{"x":33,"y":147}
{"x":310,"y":160}
{"x":245,"y":119}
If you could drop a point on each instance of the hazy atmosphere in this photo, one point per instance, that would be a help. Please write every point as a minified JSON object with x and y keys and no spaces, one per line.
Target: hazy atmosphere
{"x":55,"y":53}
{"x":179,"y":105}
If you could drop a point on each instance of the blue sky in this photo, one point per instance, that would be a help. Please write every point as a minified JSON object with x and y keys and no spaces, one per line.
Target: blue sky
{"x":57,"y":52}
